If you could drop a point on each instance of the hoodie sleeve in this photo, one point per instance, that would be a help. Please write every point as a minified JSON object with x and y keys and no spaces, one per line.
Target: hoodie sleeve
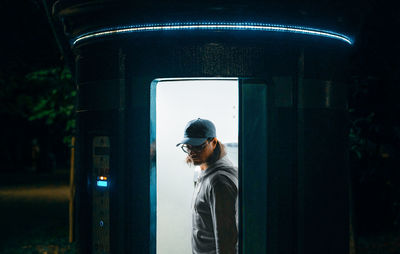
{"x":222,"y":201}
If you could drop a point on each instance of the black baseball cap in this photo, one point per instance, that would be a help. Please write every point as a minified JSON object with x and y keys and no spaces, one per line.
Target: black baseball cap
{"x":197,"y":132}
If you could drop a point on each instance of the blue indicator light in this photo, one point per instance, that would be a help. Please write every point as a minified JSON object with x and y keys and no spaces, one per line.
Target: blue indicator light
{"x":214,"y":26}
{"x":102,"y":183}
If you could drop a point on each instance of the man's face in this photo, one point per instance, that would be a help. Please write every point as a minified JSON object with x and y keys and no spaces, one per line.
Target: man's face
{"x":199,"y":155}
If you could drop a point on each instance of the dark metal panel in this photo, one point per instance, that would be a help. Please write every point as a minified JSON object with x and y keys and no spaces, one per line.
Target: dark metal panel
{"x":208,"y":55}
{"x":326,"y":61}
{"x":118,"y":239}
{"x":95,"y":66}
{"x":322,"y":182}
{"x":328,"y":94}
{"x":282,"y":166}
{"x":322,"y":169}
{"x":99,"y":95}
{"x":253,"y":129}
{"x":137,"y":168}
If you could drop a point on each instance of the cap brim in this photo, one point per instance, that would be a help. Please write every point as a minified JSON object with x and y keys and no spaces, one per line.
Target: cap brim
{"x":192,"y":141}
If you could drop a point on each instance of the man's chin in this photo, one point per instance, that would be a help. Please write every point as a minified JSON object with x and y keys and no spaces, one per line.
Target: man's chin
{"x":193,"y":161}
{"x":196,"y":163}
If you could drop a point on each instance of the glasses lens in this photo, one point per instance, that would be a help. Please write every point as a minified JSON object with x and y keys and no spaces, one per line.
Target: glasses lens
{"x":188,"y":149}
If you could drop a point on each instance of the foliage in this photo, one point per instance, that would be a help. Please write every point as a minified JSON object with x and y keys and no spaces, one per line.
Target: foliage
{"x":375,"y":153}
{"x":56,"y":103}
{"x":44,"y":96}
{"x":357,"y":136}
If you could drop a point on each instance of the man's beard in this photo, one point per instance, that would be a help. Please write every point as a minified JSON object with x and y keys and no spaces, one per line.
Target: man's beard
{"x":190,"y":161}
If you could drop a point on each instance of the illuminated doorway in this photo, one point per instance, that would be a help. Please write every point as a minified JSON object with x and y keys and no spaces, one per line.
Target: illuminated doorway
{"x":177,"y":102}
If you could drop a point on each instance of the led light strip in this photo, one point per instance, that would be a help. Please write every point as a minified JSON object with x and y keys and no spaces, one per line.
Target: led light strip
{"x":214,"y":26}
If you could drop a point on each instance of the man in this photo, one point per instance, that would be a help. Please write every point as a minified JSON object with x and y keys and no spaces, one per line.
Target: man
{"x":214,"y":203}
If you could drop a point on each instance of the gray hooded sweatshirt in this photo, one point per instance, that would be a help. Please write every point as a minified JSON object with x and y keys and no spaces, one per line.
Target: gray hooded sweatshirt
{"x":214,"y":210}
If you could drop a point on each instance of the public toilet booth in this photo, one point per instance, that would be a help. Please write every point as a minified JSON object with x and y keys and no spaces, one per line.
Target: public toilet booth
{"x":289,"y":80}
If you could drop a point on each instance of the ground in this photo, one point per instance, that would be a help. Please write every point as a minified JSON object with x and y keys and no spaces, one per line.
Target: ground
{"x":34,"y":218}
{"x":34,"y":213}
{"x":382,"y":243}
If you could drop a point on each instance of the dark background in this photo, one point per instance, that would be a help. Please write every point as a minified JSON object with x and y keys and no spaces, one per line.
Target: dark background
{"x":32,"y":69}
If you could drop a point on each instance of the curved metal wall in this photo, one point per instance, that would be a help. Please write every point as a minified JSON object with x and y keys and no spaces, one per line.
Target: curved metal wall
{"x":306,"y":175}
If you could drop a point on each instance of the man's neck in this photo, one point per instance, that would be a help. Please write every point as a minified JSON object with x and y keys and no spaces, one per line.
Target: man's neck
{"x":203,"y":166}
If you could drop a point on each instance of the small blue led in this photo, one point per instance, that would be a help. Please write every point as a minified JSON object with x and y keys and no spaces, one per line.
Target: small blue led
{"x":102,"y":183}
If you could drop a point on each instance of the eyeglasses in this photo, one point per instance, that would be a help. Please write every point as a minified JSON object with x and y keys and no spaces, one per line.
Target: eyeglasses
{"x":196,"y":149}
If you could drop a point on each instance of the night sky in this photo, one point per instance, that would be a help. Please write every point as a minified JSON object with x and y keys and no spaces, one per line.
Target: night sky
{"x":27,"y":41}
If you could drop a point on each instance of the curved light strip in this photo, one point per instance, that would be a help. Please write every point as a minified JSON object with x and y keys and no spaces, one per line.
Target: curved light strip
{"x":213,"y":26}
